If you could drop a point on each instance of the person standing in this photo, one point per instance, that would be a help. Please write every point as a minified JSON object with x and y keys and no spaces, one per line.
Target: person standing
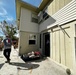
{"x":7,"y":48}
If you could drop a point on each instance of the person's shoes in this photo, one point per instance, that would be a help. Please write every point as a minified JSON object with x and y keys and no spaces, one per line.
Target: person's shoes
{"x":8,"y":61}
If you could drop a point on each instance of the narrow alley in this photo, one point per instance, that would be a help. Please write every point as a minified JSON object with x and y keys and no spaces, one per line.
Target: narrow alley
{"x":19,"y":67}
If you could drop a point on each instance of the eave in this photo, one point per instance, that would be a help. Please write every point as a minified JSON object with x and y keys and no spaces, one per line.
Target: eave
{"x":20,"y":4}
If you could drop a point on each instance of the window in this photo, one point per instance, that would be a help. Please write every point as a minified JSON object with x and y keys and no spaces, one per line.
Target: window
{"x":32,"y":42}
{"x":32,"y":39}
{"x":34,"y":18}
{"x":45,"y":15}
{"x":42,"y":16}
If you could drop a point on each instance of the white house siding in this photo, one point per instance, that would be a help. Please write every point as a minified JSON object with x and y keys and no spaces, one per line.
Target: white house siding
{"x":46,"y":23}
{"x":56,"y":5}
{"x":25,"y":21}
{"x":62,"y":45}
{"x":66,"y":14}
{"x":62,"y":41}
{"x":24,"y":43}
{"x":26,"y":28}
{"x":66,"y":51}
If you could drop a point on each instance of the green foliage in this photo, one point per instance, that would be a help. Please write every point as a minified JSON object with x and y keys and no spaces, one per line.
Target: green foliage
{"x":1,"y":37}
{"x":11,"y":30}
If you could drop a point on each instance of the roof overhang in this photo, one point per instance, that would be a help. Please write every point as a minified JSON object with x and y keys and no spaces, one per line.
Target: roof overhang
{"x":20,"y":3}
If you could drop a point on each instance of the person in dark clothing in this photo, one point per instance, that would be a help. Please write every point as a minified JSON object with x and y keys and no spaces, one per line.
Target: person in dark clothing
{"x":7,"y":48}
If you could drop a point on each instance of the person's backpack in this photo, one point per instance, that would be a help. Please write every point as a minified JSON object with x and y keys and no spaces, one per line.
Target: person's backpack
{"x":7,"y":42}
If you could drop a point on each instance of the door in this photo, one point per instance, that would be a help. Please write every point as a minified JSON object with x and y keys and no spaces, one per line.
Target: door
{"x":47,"y":44}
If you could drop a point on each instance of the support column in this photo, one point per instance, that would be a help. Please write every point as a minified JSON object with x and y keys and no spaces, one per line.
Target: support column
{"x":73,"y":41}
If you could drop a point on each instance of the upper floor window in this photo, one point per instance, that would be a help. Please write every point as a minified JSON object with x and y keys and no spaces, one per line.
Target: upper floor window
{"x":42,"y":16}
{"x":45,"y":15}
{"x":34,"y":18}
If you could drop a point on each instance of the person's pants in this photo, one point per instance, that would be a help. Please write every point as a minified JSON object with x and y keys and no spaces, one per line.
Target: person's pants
{"x":7,"y":53}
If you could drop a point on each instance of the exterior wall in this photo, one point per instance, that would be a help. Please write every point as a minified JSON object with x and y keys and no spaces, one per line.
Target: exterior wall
{"x":74,"y":27}
{"x":25,"y":21}
{"x":57,"y":5}
{"x":62,"y":45}
{"x":64,"y":15}
{"x":24,"y":43}
{"x":62,"y":40}
{"x":26,"y":28}
{"x":46,"y":23}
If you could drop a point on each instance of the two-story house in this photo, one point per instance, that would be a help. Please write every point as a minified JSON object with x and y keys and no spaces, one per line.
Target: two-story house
{"x":49,"y":28}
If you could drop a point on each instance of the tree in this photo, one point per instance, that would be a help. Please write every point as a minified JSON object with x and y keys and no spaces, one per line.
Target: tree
{"x":9,"y":29}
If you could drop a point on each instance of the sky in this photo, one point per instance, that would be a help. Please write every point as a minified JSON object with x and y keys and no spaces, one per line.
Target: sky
{"x":7,"y":10}
{"x":34,"y":2}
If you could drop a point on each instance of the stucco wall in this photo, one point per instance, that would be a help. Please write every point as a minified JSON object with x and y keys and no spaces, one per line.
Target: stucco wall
{"x":24,"y":43}
{"x":25,"y":21}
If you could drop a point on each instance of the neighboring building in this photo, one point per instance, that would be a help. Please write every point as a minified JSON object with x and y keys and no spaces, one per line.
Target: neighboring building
{"x":51,"y":28}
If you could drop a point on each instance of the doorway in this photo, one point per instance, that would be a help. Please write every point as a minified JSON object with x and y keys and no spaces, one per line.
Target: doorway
{"x":46,"y":44}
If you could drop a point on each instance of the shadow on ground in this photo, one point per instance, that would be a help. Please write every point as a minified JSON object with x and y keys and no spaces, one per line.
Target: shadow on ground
{"x":34,"y":59}
{"x":1,"y":65}
{"x":25,"y":66}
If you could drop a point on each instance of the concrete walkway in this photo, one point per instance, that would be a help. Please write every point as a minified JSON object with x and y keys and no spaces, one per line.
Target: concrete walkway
{"x":38,"y":67}
{"x":5,"y":68}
